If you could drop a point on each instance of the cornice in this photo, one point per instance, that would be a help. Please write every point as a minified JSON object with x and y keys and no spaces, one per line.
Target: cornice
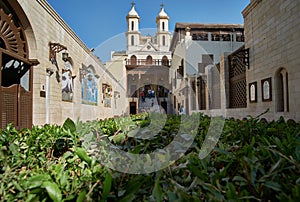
{"x":250,"y":7}
{"x":62,"y":23}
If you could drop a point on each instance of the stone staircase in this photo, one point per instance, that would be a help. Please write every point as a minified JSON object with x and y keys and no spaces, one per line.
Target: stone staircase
{"x":147,"y":105}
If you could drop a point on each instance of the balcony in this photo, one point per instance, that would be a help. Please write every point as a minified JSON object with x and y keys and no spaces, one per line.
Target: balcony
{"x":134,"y":63}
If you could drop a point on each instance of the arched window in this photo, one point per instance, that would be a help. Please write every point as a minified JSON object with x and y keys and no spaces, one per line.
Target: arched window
{"x":282,"y":93}
{"x":132,"y":25}
{"x":165,"y":61}
{"x":164,"y":40}
{"x":133,"y":60}
{"x":132,"y":40}
{"x":149,"y":60}
{"x":163,"y":26}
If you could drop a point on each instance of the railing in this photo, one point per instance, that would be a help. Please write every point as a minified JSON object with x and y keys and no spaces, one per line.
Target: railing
{"x":143,"y":62}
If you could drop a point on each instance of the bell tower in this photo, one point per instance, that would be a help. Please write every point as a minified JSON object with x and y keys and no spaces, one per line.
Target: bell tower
{"x":163,"y":35}
{"x":133,"y":34}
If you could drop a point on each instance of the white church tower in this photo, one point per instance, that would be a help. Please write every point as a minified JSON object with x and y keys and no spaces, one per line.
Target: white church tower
{"x":133,"y":34}
{"x":163,"y":35}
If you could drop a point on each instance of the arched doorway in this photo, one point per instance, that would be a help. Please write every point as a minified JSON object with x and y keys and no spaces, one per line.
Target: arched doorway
{"x":165,"y":61}
{"x":149,"y":60}
{"x":133,"y":60}
{"x":16,"y":71}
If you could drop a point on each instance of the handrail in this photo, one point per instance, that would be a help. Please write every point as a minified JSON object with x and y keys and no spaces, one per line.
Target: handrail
{"x":145,"y":62}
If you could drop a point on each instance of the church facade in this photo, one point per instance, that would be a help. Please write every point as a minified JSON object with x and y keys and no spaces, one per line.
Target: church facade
{"x":145,"y":64}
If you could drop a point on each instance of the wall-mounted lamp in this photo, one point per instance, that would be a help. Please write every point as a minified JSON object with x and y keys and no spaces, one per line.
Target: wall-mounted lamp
{"x":53,"y":49}
{"x":65,"y":56}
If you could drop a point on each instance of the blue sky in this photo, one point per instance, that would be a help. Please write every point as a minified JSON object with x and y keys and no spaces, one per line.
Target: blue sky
{"x":98,"y":22}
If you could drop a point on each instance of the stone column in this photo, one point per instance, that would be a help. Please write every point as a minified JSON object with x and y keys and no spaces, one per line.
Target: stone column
{"x":49,"y":72}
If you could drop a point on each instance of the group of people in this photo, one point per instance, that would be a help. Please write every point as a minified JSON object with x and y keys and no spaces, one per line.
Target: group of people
{"x":147,"y":93}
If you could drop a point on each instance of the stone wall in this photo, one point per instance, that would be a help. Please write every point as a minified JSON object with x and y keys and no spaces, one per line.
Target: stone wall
{"x":272,"y":32}
{"x":47,"y":26}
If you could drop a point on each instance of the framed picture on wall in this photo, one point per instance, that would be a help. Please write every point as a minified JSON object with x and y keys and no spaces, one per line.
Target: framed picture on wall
{"x":266,"y":89}
{"x":253,"y":92}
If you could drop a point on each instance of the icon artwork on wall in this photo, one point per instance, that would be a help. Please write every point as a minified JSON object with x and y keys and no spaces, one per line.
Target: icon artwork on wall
{"x":89,"y":85}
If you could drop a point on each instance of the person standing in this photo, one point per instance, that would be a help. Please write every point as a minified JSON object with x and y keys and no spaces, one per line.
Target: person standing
{"x":142,"y":96}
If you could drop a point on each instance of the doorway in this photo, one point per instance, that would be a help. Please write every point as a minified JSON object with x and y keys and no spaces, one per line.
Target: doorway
{"x":132,"y":107}
{"x":16,"y":71}
{"x":164,"y":105}
{"x":15,"y":92}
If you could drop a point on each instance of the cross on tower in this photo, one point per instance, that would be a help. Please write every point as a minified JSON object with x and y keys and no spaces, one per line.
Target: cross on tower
{"x":162,"y":5}
{"x":132,"y":3}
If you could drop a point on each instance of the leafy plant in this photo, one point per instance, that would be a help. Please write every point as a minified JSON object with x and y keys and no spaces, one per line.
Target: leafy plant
{"x":254,"y":160}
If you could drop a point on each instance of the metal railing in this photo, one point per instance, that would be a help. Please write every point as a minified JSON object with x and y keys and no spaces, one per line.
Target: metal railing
{"x":143,"y":62}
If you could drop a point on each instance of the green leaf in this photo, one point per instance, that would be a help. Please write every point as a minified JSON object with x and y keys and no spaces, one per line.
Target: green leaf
{"x":273,"y":185}
{"x":36,"y":181}
{"x":133,"y":187}
{"x":119,"y":138}
{"x":274,"y":166}
{"x":14,"y":148}
{"x":69,"y":125}
{"x":172,"y":196}
{"x":197,"y":172}
{"x":53,"y":191}
{"x":128,"y":198}
{"x":82,"y":154}
{"x":157,"y":191}
{"x":81,"y":196}
{"x":106,"y":186}
{"x":239,"y":178}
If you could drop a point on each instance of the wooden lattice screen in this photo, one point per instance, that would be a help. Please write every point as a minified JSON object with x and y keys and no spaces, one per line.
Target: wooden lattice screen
{"x":24,"y":108}
{"x":9,"y":100}
{"x":16,"y":107}
{"x":237,"y":78}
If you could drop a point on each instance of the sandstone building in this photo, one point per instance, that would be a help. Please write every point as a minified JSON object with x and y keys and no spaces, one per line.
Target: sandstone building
{"x":262,"y":75}
{"x":144,"y":67}
{"x":47,"y":73}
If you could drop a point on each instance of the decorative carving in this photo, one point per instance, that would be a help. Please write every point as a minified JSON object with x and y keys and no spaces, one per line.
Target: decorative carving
{"x":12,"y":36}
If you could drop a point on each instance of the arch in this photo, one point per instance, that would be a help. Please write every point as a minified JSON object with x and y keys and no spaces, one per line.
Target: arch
{"x":149,"y":60}
{"x":165,"y":61}
{"x":16,"y":73}
{"x":133,"y":60}
{"x":12,"y":36}
{"x":132,"y":25}
{"x":163,"y":26}
{"x":19,"y":18}
{"x":282,"y":91}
